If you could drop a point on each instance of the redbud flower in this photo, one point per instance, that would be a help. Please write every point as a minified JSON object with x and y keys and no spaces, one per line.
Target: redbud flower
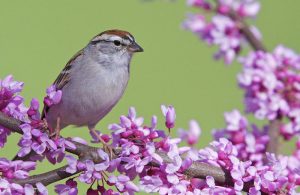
{"x":53,"y":96}
{"x":7,"y":187}
{"x":245,"y":8}
{"x":271,"y":82}
{"x":192,"y":135}
{"x":33,"y":111}
{"x":69,"y":188}
{"x":16,"y":169}
{"x":123,"y":184}
{"x":169,"y":113}
{"x":199,"y":3}
{"x":42,"y":189}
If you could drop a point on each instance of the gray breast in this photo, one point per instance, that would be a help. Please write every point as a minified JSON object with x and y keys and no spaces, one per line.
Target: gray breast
{"x":92,"y":93}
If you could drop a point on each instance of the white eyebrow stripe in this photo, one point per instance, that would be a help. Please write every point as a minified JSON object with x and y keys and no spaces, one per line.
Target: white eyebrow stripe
{"x":130,"y":38}
{"x":108,"y":37}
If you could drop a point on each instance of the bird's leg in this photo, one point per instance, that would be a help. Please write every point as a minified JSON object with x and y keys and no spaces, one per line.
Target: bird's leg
{"x":56,"y":131}
{"x":44,"y":125}
{"x":106,"y":147}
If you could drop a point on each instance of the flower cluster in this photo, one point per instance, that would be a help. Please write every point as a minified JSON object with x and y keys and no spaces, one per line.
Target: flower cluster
{"x":222,"y":30}
{"x":272,"y":87}
{"x":39,"y":142}
{"x":11,"y":103}
{"x":244,"y":8}
{"x":140,"y":146}
{"x":250,"y":142}
{"x":241,"y":155}
{"x":7,"y":187}
{"x":90,"y":170}
{"x":33,"y":138}
{"x":266,"y":178}
{"x":17,"y":169}
{"x":53,"y":96}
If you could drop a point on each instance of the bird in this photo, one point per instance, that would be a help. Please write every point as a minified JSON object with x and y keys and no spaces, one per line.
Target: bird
{"x":92,"y":82}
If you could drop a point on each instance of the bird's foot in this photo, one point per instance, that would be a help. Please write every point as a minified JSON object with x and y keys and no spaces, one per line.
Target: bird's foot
{"x":55,"y":134}
{"x":107,"y":148}
{"x":44,"y":124}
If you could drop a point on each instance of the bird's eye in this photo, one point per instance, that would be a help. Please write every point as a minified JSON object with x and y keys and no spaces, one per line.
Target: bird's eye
{"x":117,"y":43}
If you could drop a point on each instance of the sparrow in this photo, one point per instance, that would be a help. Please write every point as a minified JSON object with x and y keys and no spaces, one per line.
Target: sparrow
{"x":93,"y":81}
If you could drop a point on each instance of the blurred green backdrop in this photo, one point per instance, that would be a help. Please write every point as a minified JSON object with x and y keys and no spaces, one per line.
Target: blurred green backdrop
{"x":37,"y":38}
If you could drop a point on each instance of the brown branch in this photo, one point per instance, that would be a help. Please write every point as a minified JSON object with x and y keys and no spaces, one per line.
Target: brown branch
{"x":274,"y":136}
{"x":10,"y":123}
{"x":257,"y":45}
{"x":46,"y":178}
{"x":197,"y":170}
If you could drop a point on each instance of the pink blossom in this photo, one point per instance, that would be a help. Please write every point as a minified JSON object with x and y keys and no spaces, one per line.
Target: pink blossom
{"x":16,"y":169}
{"x":221,"y":31}
{"x":245,"y":8}
{"x":7,"y":187}
{"x":199,"y":3}
{"x":271,"y":83}
{"x":33,"y":111}
{"x":169,"y":113}
{"x":248,"y":139}
{"x":11,"y":103}
{"x":69,"y":188}
{"x":41,"y":188}
{"x":192,"y":135}
{"x":42,"y":145}
{"x":123,"y":183}
{"x":53,"y":96}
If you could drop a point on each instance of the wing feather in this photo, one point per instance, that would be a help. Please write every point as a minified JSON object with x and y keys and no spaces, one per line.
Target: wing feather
{"x":63,"y":78}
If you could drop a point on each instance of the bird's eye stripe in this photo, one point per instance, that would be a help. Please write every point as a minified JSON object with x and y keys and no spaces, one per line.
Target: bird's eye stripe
{"x":107,"y":41}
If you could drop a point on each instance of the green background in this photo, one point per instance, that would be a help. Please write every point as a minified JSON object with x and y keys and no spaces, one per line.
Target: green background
{"x":38,"y":37}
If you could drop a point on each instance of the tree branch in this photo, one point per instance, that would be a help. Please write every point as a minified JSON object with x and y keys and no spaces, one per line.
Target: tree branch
{"x":197,"y":170}
{"x":46,"y":178}
{"x":274,"y":136}
{"x":257,"y":45}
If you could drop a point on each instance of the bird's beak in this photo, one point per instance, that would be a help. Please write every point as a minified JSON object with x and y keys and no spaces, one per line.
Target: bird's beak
{"x":134,"y":47}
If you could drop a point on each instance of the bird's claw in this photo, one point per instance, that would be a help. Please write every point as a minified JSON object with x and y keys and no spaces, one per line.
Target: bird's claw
{"x":108,"y":149}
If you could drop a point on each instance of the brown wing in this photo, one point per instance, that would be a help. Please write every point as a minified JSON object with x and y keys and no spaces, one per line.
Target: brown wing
{"x":63,"y":78}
